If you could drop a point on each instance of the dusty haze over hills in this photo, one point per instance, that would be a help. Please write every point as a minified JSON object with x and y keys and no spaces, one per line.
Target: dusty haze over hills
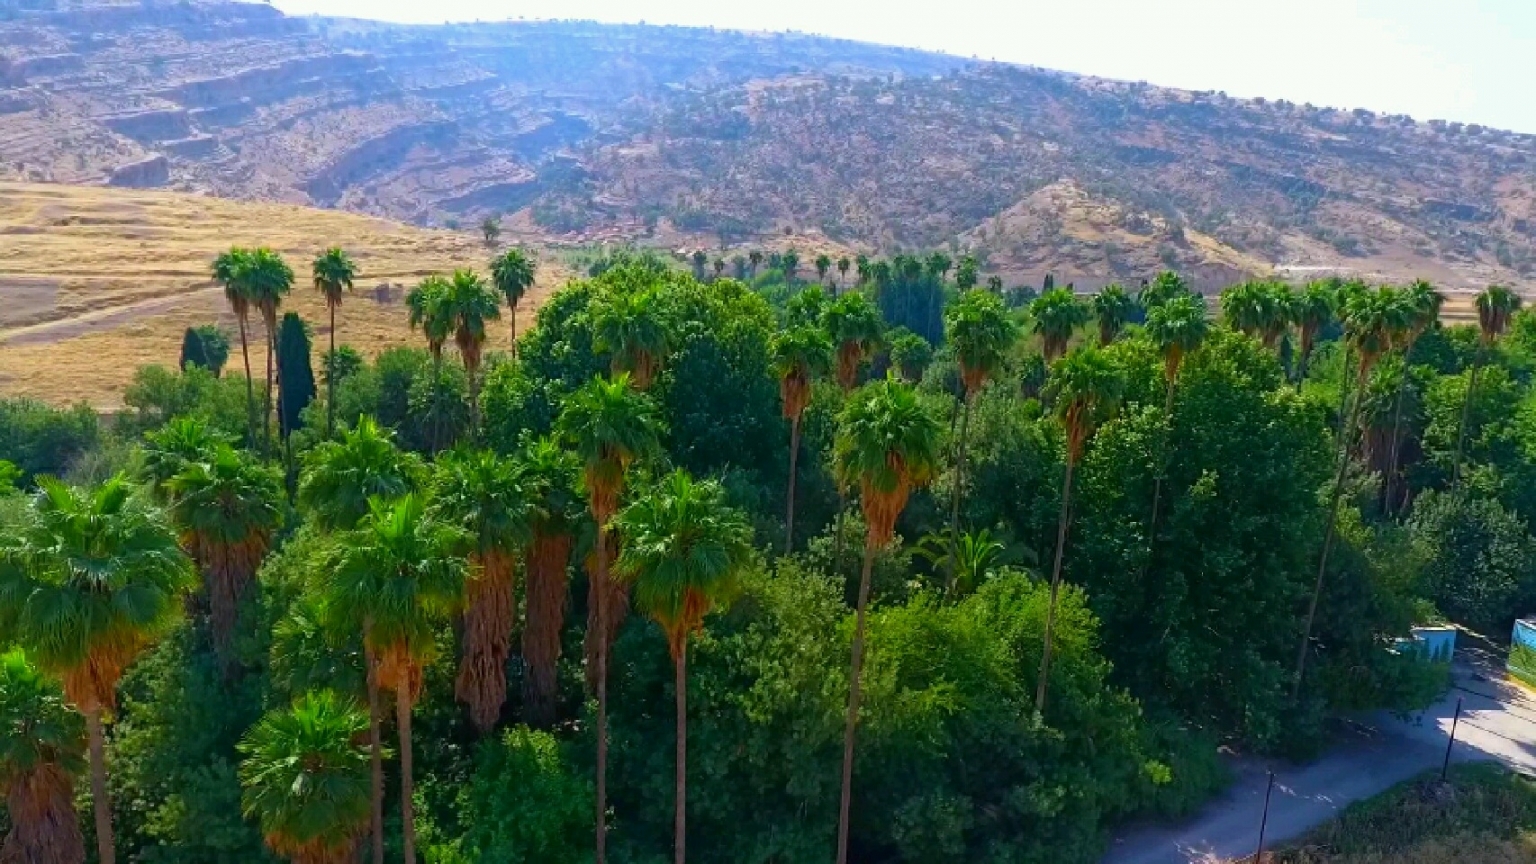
{"x":693,"y":137}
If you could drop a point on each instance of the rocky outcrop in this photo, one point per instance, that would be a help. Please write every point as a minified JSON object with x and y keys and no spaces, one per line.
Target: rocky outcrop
{"x":152,"y":172}
{"x":149,"y":126}
{"x":376,"y":155}
{"x":268,"y":83}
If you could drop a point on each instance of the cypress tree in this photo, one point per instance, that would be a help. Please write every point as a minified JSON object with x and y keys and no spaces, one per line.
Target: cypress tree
{"x":294,"y":371}
{"x":206,"y":346}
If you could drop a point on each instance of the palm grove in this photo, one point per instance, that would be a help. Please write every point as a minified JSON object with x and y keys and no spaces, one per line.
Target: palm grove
{"x":874,"y":566}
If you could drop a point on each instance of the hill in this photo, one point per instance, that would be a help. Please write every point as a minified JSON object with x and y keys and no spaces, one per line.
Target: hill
{"x":99,"y":281}
{"x":694,"y":137}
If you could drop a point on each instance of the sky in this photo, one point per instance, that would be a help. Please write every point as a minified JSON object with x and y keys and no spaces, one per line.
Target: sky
{"x":1467,"y":60}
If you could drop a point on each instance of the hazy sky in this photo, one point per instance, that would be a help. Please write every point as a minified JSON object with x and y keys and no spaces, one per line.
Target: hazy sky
{"x":1469,"y":60}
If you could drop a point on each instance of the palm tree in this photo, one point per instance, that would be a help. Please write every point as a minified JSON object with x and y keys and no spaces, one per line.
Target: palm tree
{"x":305,"y":779}
{"x":87,"y":582}
{"x":333,"y":273}
{"x":1262,"y":310}
{"x":42,"y":750}
{"x":823,"y":267}
{"x":396,"y":578}
{"x":790,"y":263}
{"x":910,"y":353}
{"x":754,"y":258}
{"x":512,"y":274}
{"x":684,"y":550}
{"x":1086,"y":386}
{"x":1312,"y":309}
{"x":861,"y":267}
{"x":888,"y":444}
{"x":978,"y":328}
{"x":842,"y":272}
{"x":427,"y":305}
{"x":610,"y":426}
{"x":627,"y":326}
{"x":1371,"y":318}
{"x":1056,"y":315}
{"x":547,"y":475}
{"x":800,"y":356}
{"x":169,"y":449}
{"x":468,"y":304}
{"x":480,"y":493}
{"x":719,"y":267}
{"x":1496,"y":307}
{"x":226,"y":507}
{"x":1165,"y":287}
{"x":339,"y":479}
{"x":266,"y":280}
{"x":227,"y":267}
{"x":1113,"y":308}
{"x":1423,"y":311}
{"x":853,"y":323}
{"x":1177,"y":327}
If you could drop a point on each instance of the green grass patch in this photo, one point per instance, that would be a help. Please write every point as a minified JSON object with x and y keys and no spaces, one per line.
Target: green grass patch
{"x":1484,"y":814}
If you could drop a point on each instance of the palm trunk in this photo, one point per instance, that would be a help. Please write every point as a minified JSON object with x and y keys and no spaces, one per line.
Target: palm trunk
{"x":376,"y":757}
{"x":1390,"y":479}
{"x":250,"y":387}
{"x":1050,"y":613}
{"x":330,"y":382}
{"x":1466,"y":416}
{"x":794,"y":466}
{"x":513,"y":306}
{"x":602,"y":694}
{"x":474,"y":401}
{"x":954,"y":502}
{"x":855,"y":670}
{"x":547,"y":592}
{"x":837,"y":533}
{"x":266,"y":417}
{"x":437,"y":400}
{"x":1346,"y":432}
{"x":680,"y":821}
{"x":407,"y":806}
{"x":106,"y":847}
{"x":1157,"y":480}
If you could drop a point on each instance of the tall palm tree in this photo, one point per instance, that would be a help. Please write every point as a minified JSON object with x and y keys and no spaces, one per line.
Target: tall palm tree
{"x":1113,"y":309}
{"x":480,"y":493}
{"x":800,"y":356}
{"x":1496,"y":307}
{"x":842,"y":273}
{"x":823,"y":267}
{"x":1165,"y":287}
{"x":267,"y":279}
{"x":719,"y":267}
{"x":87,"y":582}
{"x":1371,"y":318}
{"x":1312,"y":309}
{"x":1423,"y":311}
{"x":512,"y":274}
{"x":1262,"y":310}
{"x":547,"y":476}
{"x":333,"y":273}
{"x":627,"y":326}
{"x":979,"y":330}
{"x":1177,"y":327}
{"x":169,"y":449}
{"x":305,"y":779}
{"x":790,"y":263}
{"x":853,"y":322}
{"x":1055,"y":315}
{"x":42,"y":750}
{"x":887,"y":444}
{"x":609,"y":425}
{"x":468,"y":304}
{"x":754,"y":259}
{"x":227,"y":507}
{"x":1086,"y":387}
{"x":684,"y":550}
{"x":339,"y":479}
{"x":427,"y":306}
{"x":227,"y":267}
{"x":396,"y":577}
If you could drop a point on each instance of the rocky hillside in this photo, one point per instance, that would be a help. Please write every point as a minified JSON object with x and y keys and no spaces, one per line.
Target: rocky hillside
{"x":685,"y":136}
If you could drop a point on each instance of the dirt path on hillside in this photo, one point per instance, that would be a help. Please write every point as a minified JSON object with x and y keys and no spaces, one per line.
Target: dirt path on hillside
{"x":98,"y":320}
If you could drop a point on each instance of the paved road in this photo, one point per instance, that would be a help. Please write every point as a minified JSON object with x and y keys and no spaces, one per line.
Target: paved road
{"x":1498,"y":721}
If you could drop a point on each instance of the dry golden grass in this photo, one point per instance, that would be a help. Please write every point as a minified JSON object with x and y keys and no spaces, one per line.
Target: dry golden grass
{"x":97,"y":282}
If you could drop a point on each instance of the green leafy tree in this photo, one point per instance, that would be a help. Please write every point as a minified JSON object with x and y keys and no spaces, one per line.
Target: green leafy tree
{"x":854,"y":324}
{"x":547,"y":475}
{"x":610,"y":426}
{"x":910,"y":353}
{"x":524,"y":804}
{"x":205,"y":346}
{"x":1480,"y":560}
{"x":800,"y":356}
{"x":1113,"y":308}
{"x":1496,"y":306}
{"x":468,"y":305}
{"x":627,"y":326}
{"x":42,"y":750}
{"x":512,"y":273}
{"x":700,"y":260}
{"x":1086,"y":387}
{"x":87,"y":582}
{"x":979,"y":330}
{"x":966,"y":273}
{"x":306,"y":779}
{"x":396,"y":578}
{"x":226,"y":506}
{"x":684,"y":551}
{"x":480,"y":493}
{"x":1055,"y":315}
{"x":227,"y":268}
{"x":333,"y":273}
{"x":490,"y":228}
{"x":888,"y":444}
